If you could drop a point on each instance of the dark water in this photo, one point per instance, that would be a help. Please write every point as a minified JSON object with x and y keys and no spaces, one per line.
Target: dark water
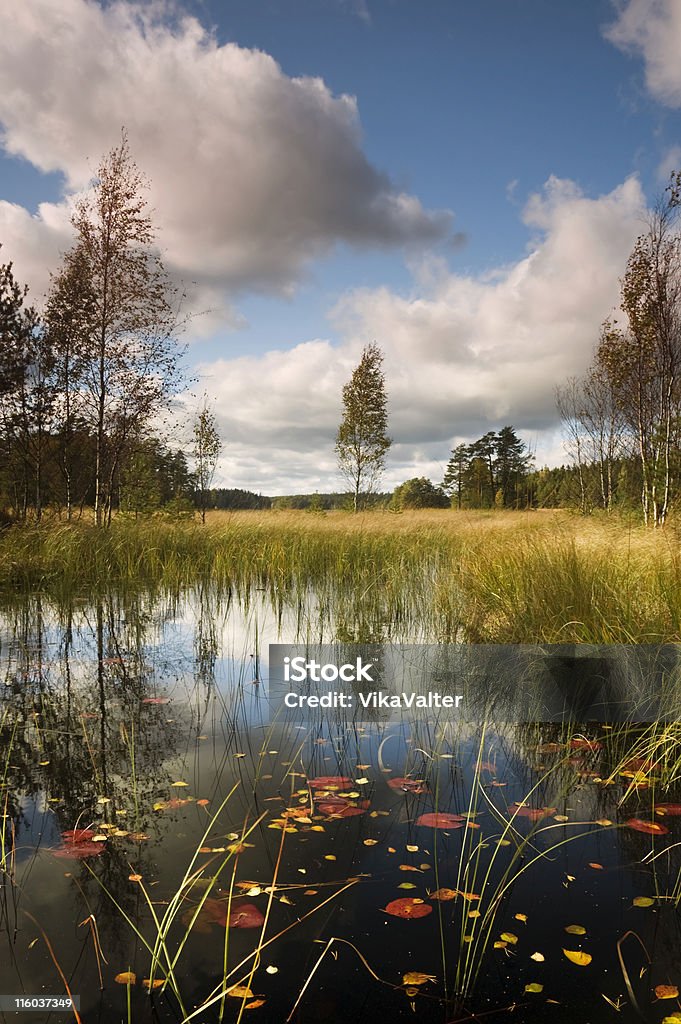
{"x":107,"y":707}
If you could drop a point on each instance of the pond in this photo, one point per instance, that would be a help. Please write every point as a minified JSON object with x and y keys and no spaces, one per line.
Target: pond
{"x":170,"y":850}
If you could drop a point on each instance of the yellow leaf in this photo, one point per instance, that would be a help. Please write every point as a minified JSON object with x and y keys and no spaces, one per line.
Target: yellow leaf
{"x":521,"y":917}
{"x":412,"y":849}
{"x":500,"y":945}
{"x":370,"y":842}
{"x":538,"y":958}
{"x":666,"y":991}
{"x":156,"y":983}
{"x":575,"y":929}
{"x":271,"y":969}
{"x":240,"y":992}
{"x":179,"y":783}
{"x":559,"y":817}
{"x":509,"y":937}
{"x":576,"y":956}
{"x":126,"y":978}
{"x":534,"y":986}
{"x":329,"y":856}
{"x":417,"y":978}
{"x":643,"y":901}
{"x":255,"y":1004}
{"x":406,"y":885}
{"x":443,"y":894}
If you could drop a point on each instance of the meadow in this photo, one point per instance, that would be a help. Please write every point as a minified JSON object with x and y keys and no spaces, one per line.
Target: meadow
{"x":492,"y":577}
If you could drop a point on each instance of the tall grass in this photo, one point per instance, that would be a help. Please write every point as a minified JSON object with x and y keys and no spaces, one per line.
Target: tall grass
{"x":441,"y":575}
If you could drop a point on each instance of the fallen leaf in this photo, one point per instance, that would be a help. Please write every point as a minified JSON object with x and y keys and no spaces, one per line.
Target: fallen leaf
{"x":509,"y":937}
{"x":576,"y":956}
{"x":538,"y":957}
{"x":439,"y":820}
{"x":534,"y":986}
{"x":531,"y":813}
{"x":271,"y":969}
{"x":408,"y":907}
{"x":417,"y":978}
{"x":416,"y":786}
{"x":595,"y":866}
{"x":239,"y":992}
{"x":337,"y":782}
{"x":575,"y":929}
{"x":521,"y":917}
{"x":179,"y":783}
{"x":651,"y":827}
{"x":643,"y":901}
{"x":254,"y":1004}
{"x":443,"y":894}
{"x":156,"y":983}
{"x":666,"y":991}
{"x":126,"y":978}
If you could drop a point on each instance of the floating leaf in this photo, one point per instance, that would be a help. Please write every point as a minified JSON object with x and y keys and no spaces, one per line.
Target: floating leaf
{"x":406,"y":885}
{"x":560,"y":817}
{"x":126,"y":978}
{"x":534,"y":986}
{"x":370,"y":842}
{"x":439,"y":820}
{"x":338,"y":782}
{"x":202,"y":803}
{"x":509,"y":937}
{"x":499,"y":944}
{"x":521,"y":917}
{"x":417,"y":978}
{"x":531,"y":813}
{"x":416,"y":786}
{"x":581,"y":743}
{"x":179,"y":783}
{"x":671,"y":810}
{"x":255,"y":1004}
{"x":239,"y":992}
{"x":651,"y":827}
{"x":156,"y":983}
{"x":408,"y":867}
{"x":595,"y":866}
{"x":666,"y":991}
{"x":408,"y":907}
{"x":134,"y":878}
{"x":575,"y":929}
{"x":443,"y":894}
{"x":643,"y":901}
{"x":538,"y":957}
{"x":604,"y":822}
{"x":576,"y":956}
{"x":271,"y":969}
{"x":412,"y":849}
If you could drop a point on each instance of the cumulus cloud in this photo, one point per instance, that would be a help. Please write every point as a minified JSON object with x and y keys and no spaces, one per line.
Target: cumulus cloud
{"x":254,"y":173}
{"x":652,"y":28}
{"x":463,"y":354}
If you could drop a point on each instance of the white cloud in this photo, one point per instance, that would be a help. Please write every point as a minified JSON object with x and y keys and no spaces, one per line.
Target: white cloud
{"x":670,"y":162}
{"x":253,"y":173}
{"x":462,"y":354}
{"x":652,"y":28}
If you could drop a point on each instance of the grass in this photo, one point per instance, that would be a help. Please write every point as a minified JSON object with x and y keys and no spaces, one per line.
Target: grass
{"x":481,"y":577}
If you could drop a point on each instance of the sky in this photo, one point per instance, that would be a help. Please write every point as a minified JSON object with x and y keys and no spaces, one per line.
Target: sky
{"x":460,"y":183}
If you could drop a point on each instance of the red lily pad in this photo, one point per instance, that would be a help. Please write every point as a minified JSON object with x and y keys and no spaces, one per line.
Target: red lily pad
{"x":581,"y":743}
{"x":653,"y":828}
{"x":531,"y":813}
{"x":213,"y":913}
{"x":77,"y":835}
{"x":439,"y":820}
{"x":416,"y":786}
{"x":409,"y":908}
{"x":341,"y":807}
{"x":672,"y":810}
{"x":78,"y":851}
{"x":156,"y":700}
{"x":331,"y":782}
{"x":637,"y":764}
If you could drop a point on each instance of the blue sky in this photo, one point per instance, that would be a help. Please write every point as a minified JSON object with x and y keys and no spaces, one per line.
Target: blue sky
{"x":459,"y":182}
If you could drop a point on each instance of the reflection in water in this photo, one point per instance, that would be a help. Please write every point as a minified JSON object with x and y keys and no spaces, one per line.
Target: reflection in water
{"x":145,"y":790}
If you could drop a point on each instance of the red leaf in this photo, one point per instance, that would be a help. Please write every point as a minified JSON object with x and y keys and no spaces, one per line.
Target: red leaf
{"x":550,"y":748}
{"x":652,"y":827}
{"x":673,"y":810}
{"x":77,"y":835}
{"x":581,"y":743}
{"x":331,"y":782}
{"x":246,"y":915}
{"x":533,"y":813}
{"x":340,"y":807}
{"x":439,"y":820}
{"x":156,"y":700}
{"x":77,"y":851}
{"x":409,"y":908}
{"x":409,"y":785}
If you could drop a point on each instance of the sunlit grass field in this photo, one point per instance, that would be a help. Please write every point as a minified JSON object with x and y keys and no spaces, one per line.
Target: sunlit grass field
{"x":440,"y":575}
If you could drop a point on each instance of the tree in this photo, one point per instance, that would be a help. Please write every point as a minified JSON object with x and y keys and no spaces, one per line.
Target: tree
{"x":419,"y":492}
{"x":511,"y":466}
{"x":638,"y":366}
{"x":455,"y":475}
{"x":206,"y":449}
{"x":362,"y":442}
{"x":127,"y":343}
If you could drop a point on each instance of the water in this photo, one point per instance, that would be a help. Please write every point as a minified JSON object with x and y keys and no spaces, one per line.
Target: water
{"x":143,"y":722}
